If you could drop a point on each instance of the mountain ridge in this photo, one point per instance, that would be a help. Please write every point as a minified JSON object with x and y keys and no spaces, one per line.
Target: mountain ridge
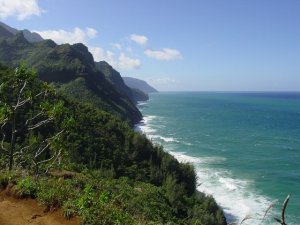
{"x":30,"y":36}
{"x":65,"y":63}
{"x":139,"y":84}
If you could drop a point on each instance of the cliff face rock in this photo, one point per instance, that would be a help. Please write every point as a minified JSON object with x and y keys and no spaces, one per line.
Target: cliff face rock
{"x":139,"y":95}
{"x":115,"y":79}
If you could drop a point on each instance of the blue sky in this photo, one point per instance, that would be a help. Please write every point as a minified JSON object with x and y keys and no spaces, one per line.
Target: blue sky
{"x":176,"y":45}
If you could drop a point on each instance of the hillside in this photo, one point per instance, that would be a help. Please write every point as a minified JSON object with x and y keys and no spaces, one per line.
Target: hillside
{"x":139,"y":95}
{"x":139,"y":84}
{"x":63,"y":65}
{"x":4,"y":33}
{"x":115,"y":79}
{"x":72,"y":133}
{"x":30,"y":36}
{"x":116,"y":175}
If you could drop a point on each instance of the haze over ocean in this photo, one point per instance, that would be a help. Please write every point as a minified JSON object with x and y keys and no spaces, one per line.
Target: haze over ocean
{"x":245,"y":147}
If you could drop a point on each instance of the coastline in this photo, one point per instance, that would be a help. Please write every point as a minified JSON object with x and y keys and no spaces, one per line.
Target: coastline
{"x":236,"y":196}
{"x":141,"y":128}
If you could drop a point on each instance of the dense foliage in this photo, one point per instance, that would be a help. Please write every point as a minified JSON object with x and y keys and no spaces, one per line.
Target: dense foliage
{"x":99,"y":199}
{"x":119,"y":175}
{"x":63,"y":64}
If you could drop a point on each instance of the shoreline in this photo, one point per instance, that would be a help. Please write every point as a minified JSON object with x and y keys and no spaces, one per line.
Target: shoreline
{"x":235,"y":196}
{"x":230,"y":218}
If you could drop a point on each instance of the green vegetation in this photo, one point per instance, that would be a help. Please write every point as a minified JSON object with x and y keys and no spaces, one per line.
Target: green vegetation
{"x":117,"y":176}
{"x":115,"y":79}
{"x":97,"y":199}
{"x":62,"y":65}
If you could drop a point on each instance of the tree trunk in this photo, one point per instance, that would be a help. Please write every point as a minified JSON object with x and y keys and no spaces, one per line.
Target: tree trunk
{"x":12,"y":142}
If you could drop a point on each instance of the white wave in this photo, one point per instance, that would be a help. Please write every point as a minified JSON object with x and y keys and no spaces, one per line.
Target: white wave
{"x":182,"y":157}
{"x":143,"y":126}
{"x":142,"y":103}
{"x":236,"y":196}
{"x":168,"y":139}
{"x":187,"y":143}
{"x":147,"y":119}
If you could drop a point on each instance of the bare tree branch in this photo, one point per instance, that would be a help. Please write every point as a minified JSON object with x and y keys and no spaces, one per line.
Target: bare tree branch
{"x":21,"y":103}
{"x":47,"y":160}
{"x":40,"y":123}
{"x":284,"y":205}
{"x":3,"y":135}
{"x":19,"y":97}
{"x":57,"y":155}
{"x":42,"y":92}
{"x":268,"y":209}
{"x":33,"y":118}
{"x":246,"y":218}
{"x":41,"y":150}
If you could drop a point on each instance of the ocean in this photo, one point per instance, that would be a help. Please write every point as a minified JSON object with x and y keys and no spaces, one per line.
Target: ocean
{"x":245,"y":148}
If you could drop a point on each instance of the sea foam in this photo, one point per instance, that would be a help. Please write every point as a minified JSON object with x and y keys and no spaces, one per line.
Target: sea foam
{"x":237,"y":197}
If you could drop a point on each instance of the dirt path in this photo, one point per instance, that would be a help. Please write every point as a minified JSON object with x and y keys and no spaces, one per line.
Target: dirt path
{"x":27,"y":212}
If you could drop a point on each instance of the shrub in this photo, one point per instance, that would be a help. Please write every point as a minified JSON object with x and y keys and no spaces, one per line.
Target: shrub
{"x":99,"y":209}
{"x":26,"y":188}
{"x":54,"y":192}
{"x":70,"y":209}
{"x":7,"y":177}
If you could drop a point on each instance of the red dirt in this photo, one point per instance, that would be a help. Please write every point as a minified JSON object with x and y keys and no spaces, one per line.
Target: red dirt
{"x":15,"y":211}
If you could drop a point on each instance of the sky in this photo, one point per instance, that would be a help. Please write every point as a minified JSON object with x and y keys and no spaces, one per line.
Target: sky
{"x":176,"y":45}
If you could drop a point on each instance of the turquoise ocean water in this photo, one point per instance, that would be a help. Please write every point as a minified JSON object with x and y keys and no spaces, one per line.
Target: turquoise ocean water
{"x":245,"y":147}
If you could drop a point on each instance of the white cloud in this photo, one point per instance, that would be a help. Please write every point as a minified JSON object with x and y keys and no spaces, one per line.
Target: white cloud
{"x":139,"y":39}
{"x":78,"y":35}
{"x":91,"y":32}
{"x":102,"y":55}
{"x":21,"y":9}
{"x":117,"y":46}
{"x":162,"y":81}
{"x":125,"y":62}
{"x":119,"y":62}
{"x":164,"y":54}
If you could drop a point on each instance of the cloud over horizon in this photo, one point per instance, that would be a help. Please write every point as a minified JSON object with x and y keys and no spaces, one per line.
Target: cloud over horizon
{"x":118,"y":62}
{"x":139,"y":39}
{"x":78,"y":35}
{"x":20,"y":9}
{"x":165,"y":54}
{"x":162,"y":81}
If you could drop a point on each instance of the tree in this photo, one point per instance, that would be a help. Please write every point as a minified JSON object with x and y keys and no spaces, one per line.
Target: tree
{"x":30,"y":119}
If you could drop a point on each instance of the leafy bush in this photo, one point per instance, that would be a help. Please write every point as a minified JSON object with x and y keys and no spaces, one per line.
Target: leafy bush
{"x":70,"y":209}
{"x":54,"y":192}
{"x":26,"y":187}
{"x":99,"y":209}
{"x":7,"y":177}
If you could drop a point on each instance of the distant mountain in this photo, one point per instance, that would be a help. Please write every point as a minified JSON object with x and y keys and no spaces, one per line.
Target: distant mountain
{"x":30,"y":36}
{"x":115,"y":79}
{"x":4,"y":33}
{"x":72,"y":69}
{"x":139,"y":84}
{"x":139,"y":95}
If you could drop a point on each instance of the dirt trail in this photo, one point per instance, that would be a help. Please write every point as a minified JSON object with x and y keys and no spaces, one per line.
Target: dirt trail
{"x":27,"y":212}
